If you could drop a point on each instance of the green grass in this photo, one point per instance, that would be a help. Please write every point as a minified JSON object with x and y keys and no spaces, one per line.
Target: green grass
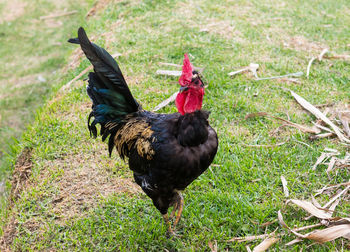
{"x":32,"y":56}
{"x":230,"y":199}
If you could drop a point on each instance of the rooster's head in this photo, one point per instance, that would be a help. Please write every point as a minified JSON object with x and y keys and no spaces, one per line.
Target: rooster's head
{"x":191,"y":93}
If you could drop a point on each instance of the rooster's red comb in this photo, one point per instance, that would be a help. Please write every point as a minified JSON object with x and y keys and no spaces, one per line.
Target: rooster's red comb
{"x":187,"y":69}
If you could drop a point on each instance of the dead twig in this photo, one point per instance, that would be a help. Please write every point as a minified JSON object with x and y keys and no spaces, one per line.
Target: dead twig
{"x":68,"y":84}
{"x":265,"y":244}
{"x":286,"y":79}
{"x":89,"y":68}
{"x":169,"y":64}
{"x":324,"y":135}
{"x":166,"y":102}
{"x":298,"y":74}
{"x":323,"y":53}
{"x":320,"y":191}
{"x":249,"y":238}
{"x":265,"y":145}
{"x":315,"y":111}
{"x":339,"y":56}
{"x":267,"y":223}
{"x":289,"y":123}
{"x":345,"y":123}
{"x":336,"y":152}
{"x":309,"y":66}
{"x":169,"y":72}
{"x":319,"y":160}
{"x":311,"y":208}
{"x":307,"y":227}
{"x":294,"y":242}
{"x":320,"y":236}
{"x":331,"y":164}
{"x":337,"y":196}
{"x":253,"y":67}
{"x":322,"y":127}
{"x":199,"y":69}
{"x":319,"y":58}
{"x":59,"y":15}
{"x":284,"y":184}
{"x":324,"y":105}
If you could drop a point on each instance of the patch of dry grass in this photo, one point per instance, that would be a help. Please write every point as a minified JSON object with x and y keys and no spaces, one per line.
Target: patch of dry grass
{"x":20,"y":181}
{"x":300,"y":43}
{"x":84,"y":182}
{"x":12,"y":10}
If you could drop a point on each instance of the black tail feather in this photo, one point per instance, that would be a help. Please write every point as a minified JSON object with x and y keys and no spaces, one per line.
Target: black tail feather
{"x":107,"y":88}
{"x":106,"y":68}
{"x":73,"y":41}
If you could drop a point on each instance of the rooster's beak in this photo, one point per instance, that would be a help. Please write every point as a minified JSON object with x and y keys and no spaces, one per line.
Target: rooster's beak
{"x":182,"y":89}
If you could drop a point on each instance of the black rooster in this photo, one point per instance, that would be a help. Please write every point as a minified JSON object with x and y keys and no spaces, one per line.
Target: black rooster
{"x":166,"y":151}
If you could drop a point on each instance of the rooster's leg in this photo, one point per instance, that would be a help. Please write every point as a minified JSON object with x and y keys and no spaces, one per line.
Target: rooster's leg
{"x":175,"y":207}
{"x":167,"y":222}
{"x":179,"y":205}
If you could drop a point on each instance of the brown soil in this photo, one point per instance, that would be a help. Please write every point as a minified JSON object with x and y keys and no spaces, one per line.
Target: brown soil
{"x":98,"y":6}
{"x":300,"y":43}
{"x":17,"y":82}
{"x":20,"y":181}
{"x":224,"y":28}
{"x":22,"y":171}
{"x":8,"y":235}
{"x":85,"y":181}
{"x":13,"y":9}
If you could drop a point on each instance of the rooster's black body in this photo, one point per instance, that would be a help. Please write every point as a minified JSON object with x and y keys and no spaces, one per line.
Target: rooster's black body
{"x":166,"y":152}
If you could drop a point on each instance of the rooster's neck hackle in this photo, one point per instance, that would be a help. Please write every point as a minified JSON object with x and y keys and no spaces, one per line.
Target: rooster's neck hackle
{"x":193,"y":128}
